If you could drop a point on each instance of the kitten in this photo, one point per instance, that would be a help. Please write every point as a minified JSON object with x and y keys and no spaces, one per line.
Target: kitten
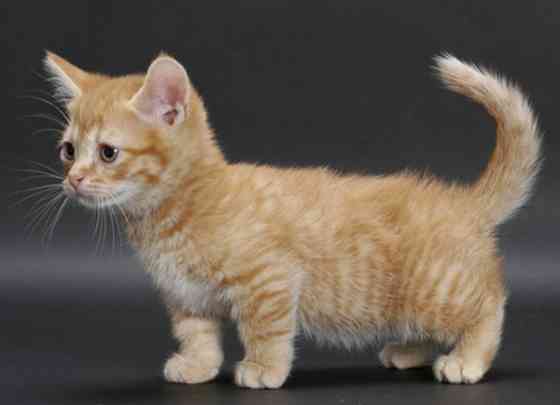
{"x":344,"y":259}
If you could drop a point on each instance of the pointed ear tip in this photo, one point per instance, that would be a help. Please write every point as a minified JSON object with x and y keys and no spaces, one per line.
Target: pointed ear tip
{"x":52,"y":58}
{"x":166,"y":60}
{"x":48,"y":55}
{"x":51,"y":54}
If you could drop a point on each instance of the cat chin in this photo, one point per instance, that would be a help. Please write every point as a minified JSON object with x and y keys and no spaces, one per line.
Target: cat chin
{"x":95,"y":202}
{"x":92,"y":203}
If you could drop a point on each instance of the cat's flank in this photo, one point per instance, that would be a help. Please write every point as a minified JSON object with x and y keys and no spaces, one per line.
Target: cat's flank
{"x":344,"y":259}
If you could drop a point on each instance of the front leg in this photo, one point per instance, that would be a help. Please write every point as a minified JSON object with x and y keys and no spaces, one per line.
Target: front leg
{"x":267,"y":326}
{"x":200,"y":353}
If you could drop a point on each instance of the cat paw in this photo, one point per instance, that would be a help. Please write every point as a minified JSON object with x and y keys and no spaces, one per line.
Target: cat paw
{"x":403,"y":357}
{"x":182,"y":369}
{"x":453,"y":369}
{"x":253,"y":375}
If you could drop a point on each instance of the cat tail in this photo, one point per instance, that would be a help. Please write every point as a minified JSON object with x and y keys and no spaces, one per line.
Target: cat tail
{"x":507,"y":182}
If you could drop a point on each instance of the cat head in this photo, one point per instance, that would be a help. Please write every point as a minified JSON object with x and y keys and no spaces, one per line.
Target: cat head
{"x":125,"y":135}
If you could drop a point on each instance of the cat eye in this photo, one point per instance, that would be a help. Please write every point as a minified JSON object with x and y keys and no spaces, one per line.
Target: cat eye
{"x":67,"y":151}
{"x":108,"y":153}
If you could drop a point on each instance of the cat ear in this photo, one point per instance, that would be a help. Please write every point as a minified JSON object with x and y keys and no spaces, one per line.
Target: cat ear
{"x":69,"y":80}
{"x":164,"y":96}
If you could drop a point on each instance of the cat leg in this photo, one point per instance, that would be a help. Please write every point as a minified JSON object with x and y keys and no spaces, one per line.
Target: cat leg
{"x":200,"y":353}
{"x":403,"y":356}
{"x":474,"y":352}
{"x":267,"y":326}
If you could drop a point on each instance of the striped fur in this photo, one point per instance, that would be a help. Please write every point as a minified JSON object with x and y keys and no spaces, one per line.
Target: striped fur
{"x":345,"y":259}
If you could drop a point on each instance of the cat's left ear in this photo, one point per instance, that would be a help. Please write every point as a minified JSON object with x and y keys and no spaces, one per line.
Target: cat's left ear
{"x":164,"y":96}
{"x":70,"y":81}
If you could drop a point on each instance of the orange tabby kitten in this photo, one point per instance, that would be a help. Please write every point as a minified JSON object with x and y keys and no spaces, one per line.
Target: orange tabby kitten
{"x":345,"y":259}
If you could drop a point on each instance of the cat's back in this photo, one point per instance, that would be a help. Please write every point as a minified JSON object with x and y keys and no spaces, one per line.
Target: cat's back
{"x":318,"y":187}
{"x":317,"y":208}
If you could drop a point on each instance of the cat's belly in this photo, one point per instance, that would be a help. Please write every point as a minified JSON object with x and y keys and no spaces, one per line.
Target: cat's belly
{"x":340,"y":331}
{"x":348,"y":321}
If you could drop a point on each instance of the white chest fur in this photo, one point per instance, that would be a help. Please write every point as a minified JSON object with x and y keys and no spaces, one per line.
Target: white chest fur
{"x":180,"y":290}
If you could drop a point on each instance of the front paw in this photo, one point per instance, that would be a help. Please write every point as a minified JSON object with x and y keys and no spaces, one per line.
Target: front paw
{"x":189,"y":370}
{"x":255,"y":375}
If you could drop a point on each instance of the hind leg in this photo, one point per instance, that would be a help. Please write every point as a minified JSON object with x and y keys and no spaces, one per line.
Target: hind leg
{"x":473,"y":353}
{"x":403,"y":356}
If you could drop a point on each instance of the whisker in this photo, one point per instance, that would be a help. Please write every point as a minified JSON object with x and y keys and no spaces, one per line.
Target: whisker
{"x":118,"y":238}
{"x":43,"y":212}
{"x":35,"y":193}
{"x":50,"y":103}
{"x":38,"y":171}
{"x":56,"y":219}
{"x":51,"y":211}
{"x":95,"y":229}
{"x":100,"y":227}
{"x":103,"y":227}
{"x":44,"y":166}
{"x":42,"y":187}
{"x":113,"y":233}
{"x":121,"y":210}
{"x":37,"y":205}
{"x":123,"y":213}
{"x":43,"y":130}
{"x":62,"y":124}
{"x":38,"y":174}
{"x":42,"y":203}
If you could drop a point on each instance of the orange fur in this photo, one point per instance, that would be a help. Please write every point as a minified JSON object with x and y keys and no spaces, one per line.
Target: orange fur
{"x":345,"y":259}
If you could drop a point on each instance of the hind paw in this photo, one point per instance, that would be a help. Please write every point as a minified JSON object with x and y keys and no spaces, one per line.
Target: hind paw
{"x":405,"y":356}
{"x":453,"y":369}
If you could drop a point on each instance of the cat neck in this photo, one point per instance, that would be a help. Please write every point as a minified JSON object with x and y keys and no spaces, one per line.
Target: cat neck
{"x":196,"y":168}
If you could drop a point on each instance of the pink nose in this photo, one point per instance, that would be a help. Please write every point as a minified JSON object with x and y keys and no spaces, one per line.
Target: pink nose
{"x":75,"y":181}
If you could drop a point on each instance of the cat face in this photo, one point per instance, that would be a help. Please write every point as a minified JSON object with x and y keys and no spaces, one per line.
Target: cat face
{"x":122,"y":132}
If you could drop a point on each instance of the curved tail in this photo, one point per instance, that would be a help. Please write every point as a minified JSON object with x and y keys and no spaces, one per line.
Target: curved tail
{"x":508,"y":179}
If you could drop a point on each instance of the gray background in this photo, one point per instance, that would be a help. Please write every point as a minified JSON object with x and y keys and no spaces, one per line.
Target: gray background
{"x":281,"y":80}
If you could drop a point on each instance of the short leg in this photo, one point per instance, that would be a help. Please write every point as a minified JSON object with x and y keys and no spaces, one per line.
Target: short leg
{"x":200,"y":354}
{"x":403,"y":356}
{"x":267,"y":327}
{"x":474,"y":352}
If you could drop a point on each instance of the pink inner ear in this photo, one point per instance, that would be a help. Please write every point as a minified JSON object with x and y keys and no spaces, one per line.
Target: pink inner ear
{"x":165,"y":91}
{"x":170,"y":88}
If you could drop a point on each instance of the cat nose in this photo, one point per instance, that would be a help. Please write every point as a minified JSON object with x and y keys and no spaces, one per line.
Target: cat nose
{"x":75,"y":180}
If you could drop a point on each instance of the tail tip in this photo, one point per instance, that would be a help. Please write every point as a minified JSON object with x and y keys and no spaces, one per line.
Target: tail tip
{"x":446,"y":64}
{"x":443,"y":58}
{"x":456,"y":74}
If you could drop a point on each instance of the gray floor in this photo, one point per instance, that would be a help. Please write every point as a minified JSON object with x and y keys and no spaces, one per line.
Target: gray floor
{"x":91,"y":330}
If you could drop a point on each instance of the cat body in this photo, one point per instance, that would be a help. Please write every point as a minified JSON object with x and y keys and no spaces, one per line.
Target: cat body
{"x":345,"y":259}
{"x":350,"y":277}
